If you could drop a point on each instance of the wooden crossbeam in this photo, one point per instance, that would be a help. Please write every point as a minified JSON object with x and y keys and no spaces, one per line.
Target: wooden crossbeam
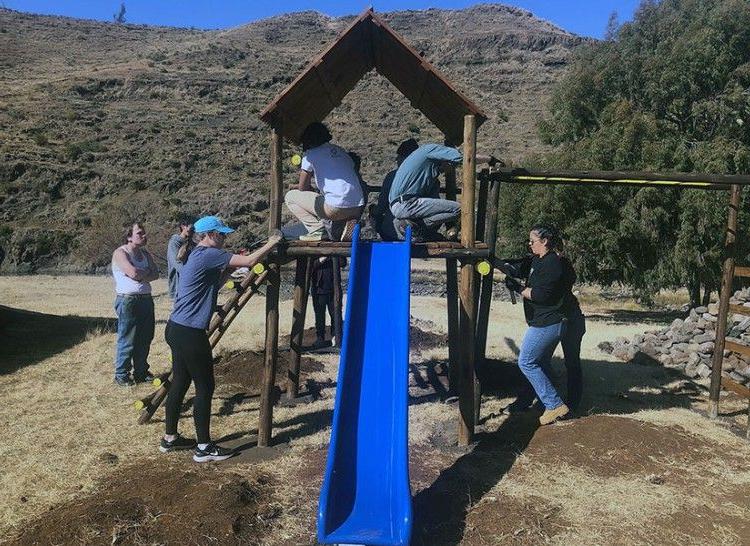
{"x":731,"y":385}
{"x":608,"y":178}
{"x":737,"y":348}
{"x":739,"y":310}
{"x":741,"y":271}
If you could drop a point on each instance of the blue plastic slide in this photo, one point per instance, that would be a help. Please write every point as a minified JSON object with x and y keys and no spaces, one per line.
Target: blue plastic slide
{"x":366,"y":498}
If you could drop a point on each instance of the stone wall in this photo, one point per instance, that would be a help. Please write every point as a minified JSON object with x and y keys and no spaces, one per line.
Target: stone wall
{"x":688,"y":344}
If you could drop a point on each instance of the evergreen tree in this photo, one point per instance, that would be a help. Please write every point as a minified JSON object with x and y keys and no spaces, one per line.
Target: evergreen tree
{"x":669,"y":91}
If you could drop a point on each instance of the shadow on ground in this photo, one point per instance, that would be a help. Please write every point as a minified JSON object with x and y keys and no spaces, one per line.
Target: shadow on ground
{"x":27,"y":337}
{"x":441,"y":509}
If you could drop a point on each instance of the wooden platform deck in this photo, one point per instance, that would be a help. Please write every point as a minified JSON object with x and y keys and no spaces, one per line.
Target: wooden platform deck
{"x":442,"y":249}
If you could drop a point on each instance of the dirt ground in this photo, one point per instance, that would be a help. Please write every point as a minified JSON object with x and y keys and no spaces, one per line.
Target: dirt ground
{"x":640,"y":465}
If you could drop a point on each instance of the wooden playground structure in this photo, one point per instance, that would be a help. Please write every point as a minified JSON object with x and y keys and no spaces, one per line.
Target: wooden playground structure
{"x":367,"y":44}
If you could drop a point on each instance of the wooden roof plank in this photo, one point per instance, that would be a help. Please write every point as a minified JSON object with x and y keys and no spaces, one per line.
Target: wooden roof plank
{"x":368,"y":42}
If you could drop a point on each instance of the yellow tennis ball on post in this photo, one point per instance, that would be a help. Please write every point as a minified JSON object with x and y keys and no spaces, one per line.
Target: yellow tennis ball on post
{"x":229,"y":285}
{"x":259,"y":268}
{"x":484,"y":268}
{"x":296,"y":160}
{"x":156,"y":382}
{"x":138,"y":405}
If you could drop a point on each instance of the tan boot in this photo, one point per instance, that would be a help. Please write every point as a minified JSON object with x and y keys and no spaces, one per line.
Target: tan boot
{"x":551,"y":415}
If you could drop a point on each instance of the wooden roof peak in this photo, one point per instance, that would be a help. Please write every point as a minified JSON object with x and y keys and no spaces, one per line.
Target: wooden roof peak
{"x":369,"y":43}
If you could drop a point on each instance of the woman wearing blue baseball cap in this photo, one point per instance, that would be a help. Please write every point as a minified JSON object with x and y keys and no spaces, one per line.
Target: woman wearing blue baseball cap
{"x":186,"y":335}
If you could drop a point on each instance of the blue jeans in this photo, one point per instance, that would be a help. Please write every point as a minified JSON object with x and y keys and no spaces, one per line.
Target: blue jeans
{"x":537,"y":348}
{"x":432,"y":212}
{"x":135,"y":330}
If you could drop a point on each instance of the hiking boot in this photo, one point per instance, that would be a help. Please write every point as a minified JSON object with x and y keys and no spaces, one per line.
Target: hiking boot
{"x":178,"y":444}
{"x":346,"y":235}
{"x":124,"y":381}
{"x":212,"y":453}
{"x":148,"y":378}
{"x":550,"y":416}
{"x":318,"y":235}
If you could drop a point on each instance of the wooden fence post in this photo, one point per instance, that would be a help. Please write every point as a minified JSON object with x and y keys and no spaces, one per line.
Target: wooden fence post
{"x":724,"y":295}
{"x":467,"y":311}
{"x":485,"y":293}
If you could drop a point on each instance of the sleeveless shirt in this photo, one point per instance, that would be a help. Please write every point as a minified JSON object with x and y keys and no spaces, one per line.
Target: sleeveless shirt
{"x":124,"y":285}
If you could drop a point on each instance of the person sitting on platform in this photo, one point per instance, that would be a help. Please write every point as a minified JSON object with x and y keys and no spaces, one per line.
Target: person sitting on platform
{"x":381,"y":212}
{"x":341,"y":199}
{"x":415,"y":194}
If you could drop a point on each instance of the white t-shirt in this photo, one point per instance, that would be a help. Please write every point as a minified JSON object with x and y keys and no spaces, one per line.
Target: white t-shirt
{"x":335,"y":176}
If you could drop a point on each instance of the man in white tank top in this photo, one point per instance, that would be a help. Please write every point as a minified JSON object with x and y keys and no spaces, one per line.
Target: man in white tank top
{"x":133,"y":269}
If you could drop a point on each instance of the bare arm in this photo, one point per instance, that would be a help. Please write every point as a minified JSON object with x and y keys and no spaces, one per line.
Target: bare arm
{"x":152,"y":273}
{"x":241,"y":260}
{"x":120,"y":257}
{"x":305,"y":181}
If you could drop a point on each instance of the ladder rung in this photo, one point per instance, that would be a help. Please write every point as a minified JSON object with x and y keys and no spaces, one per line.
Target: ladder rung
{"x":741,"y":271}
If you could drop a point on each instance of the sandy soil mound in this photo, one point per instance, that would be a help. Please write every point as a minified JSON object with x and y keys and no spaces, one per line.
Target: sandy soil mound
{"x":163,"y":503}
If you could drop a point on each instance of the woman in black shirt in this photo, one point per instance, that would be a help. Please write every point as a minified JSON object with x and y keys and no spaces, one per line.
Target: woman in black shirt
{"x":546,"y":299}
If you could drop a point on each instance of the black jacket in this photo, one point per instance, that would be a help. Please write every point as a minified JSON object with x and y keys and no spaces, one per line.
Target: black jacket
{"x":551,"y":279}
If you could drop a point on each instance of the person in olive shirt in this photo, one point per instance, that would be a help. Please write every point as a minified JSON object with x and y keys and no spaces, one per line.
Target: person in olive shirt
{"x":548,"y":301}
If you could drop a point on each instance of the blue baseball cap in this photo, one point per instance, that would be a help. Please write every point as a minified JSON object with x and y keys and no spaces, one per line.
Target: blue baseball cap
{"x":211,"y":223}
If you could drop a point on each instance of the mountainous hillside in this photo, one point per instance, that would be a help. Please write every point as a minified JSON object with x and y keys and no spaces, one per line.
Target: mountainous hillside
{"x":100,"y":122}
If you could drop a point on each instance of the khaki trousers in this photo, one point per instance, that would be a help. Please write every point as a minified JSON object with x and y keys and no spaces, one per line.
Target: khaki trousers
{"x":310,"y":208}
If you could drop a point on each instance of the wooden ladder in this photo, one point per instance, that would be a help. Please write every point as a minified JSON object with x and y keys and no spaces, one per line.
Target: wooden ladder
{"x":220,"y":322}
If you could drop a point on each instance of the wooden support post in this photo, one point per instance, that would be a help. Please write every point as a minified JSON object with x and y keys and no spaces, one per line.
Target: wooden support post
{"x":338,"y":300}
{"x":265,"y":419}
{"x":467,"y":307}
{"x":724,"y":295}
{"x":299,"y":310}
{"x":485,"y":294}
{"x":451,"y":296}
{"x":277,"y":151}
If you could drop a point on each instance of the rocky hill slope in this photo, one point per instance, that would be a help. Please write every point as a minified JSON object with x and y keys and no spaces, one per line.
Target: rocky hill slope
{"x":101,"y":122}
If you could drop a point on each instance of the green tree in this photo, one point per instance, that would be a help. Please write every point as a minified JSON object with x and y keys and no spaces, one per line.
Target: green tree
{"x":119,"y":17}
{"x":669,"y":91}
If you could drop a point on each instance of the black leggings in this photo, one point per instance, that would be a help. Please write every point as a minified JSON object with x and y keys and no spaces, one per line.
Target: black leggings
{"x":321,"y":302}
{"x":191,"y":361}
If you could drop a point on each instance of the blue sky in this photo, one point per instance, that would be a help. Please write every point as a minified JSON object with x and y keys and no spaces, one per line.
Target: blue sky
{"x":584,"y":17}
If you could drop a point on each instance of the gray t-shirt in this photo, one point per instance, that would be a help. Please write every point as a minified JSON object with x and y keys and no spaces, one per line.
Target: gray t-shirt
{"x":198,"y":287}
{"x":173,"y":265}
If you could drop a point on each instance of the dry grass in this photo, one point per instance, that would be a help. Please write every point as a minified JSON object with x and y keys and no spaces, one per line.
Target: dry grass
{"x":64,"y":415}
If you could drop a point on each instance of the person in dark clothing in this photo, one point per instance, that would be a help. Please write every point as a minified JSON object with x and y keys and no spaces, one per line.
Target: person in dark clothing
{"x":197,"y":290}
{"x":573,"y":330}
{"x":321,"y":290}
{"x":545,"y":297}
